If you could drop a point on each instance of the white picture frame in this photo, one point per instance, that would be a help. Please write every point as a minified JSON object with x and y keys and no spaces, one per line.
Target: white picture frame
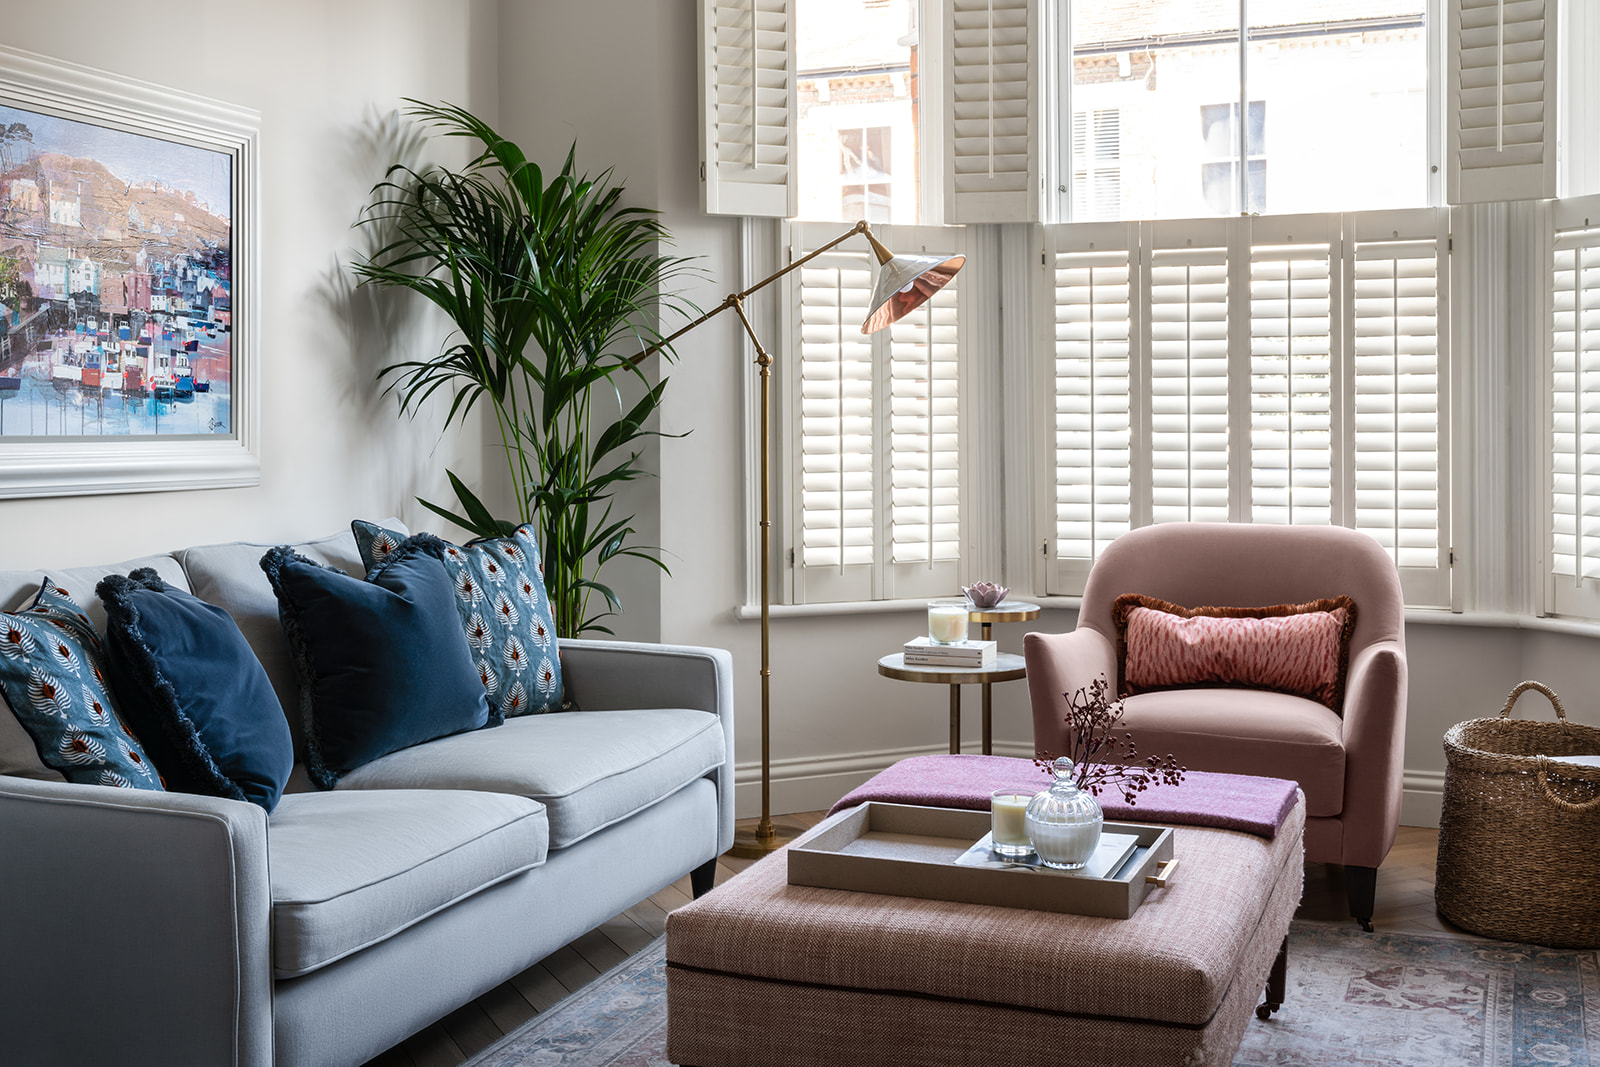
{"x":226,"y":451}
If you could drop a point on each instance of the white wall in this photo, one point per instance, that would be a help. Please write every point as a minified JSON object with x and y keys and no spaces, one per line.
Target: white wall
{"x":326,"y":79}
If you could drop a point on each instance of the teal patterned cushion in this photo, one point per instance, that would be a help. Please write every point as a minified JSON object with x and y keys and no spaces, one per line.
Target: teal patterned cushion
{"x":501,"y":599}
{"x":52,"y":671}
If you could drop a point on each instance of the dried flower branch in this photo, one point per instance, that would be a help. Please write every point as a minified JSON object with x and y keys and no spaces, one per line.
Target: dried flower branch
{"x":1102,"y":760}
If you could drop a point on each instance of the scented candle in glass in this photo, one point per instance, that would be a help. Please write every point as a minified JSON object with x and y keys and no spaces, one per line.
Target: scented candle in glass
{"x":1008,"y":810}
{"x":947,"y":622}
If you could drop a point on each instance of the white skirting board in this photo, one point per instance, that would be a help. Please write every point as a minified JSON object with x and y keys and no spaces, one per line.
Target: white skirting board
{"x":813,"y":784}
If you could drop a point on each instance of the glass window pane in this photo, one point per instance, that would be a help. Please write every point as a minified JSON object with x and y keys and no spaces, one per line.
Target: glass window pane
{"x":1346,"y":85}
{"x":1348,"y":104}
{"x":856,"y":114}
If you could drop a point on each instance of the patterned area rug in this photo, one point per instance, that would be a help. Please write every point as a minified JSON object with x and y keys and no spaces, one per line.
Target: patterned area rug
{"x":1354,"y":1000}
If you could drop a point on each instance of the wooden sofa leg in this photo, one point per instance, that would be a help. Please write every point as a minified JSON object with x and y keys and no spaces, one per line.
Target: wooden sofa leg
{"x":1361,"y":885}
{"x":702,"y":877}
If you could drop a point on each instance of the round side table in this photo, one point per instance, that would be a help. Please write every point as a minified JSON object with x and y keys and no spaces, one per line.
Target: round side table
{"x":1005,"y":611}
{"x":1006,"y":667}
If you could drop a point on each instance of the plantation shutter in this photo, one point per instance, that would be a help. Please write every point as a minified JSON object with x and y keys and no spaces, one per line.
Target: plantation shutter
{"x":924,"y":429}
{"x":993,"y":163}
{"x":1575,"y":410}
{"x":1502,"y":91}
{"x":1188,"y":375}
{"x":874,"y":433}
{"x":1293,"y":344}
{"x":1090,"y":331}
{"x":1399,"y":271}
{"x":747,"y":86}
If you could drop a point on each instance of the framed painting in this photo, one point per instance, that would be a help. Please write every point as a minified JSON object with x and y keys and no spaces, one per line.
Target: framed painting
{"x":128,"y":284}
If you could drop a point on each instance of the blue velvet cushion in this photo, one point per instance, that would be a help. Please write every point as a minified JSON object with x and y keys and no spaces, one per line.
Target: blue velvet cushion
{"x":382,"y":662}
{"x":500,"y":596}
{"x":53,"y":674}
{"x":190,"y":686}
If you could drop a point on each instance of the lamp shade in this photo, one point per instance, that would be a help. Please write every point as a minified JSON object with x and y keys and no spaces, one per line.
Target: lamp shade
{"x":905,"y":283}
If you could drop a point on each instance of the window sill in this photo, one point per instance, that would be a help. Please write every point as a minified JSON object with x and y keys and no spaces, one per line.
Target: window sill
{"x":878,"y":607}
{"x":1414,"y":616}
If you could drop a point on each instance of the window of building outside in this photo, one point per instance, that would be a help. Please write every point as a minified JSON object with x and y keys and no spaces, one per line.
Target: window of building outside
{"x":1097,"y":164}
{"x":1346,"y":85}
{"x":857,"y":112}
{"x":1219,"y":178}
{"x":866,"y":190}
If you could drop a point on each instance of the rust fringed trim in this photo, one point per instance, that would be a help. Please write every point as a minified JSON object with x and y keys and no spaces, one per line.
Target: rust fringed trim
{"x":1124,"y":604}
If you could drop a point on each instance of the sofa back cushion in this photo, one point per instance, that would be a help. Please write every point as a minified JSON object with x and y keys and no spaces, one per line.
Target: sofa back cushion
{"x":230,"y":576}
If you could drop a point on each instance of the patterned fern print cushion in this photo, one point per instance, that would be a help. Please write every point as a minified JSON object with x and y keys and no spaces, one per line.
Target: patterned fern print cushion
{"x":500,"y":596}
{"x":52,"y":671}
{"x":1300,"y":649}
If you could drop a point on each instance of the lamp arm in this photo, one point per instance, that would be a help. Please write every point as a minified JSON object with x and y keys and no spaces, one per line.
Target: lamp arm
{"x":735,"y":299}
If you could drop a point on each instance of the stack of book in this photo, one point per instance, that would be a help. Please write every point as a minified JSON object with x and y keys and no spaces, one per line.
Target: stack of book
{"x":921,"y":652}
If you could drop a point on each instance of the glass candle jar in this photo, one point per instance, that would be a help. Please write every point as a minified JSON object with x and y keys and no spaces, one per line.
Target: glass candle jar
{"x":1008,"y":809}
{"x":947,"y":622}
{"x":1064,"y":824}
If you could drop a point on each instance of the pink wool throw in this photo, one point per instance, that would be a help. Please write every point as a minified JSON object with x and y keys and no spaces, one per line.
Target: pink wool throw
{"x":1222,"y":801}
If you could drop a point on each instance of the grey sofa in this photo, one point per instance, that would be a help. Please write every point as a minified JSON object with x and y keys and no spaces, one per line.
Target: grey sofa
{"x":164,"y":928}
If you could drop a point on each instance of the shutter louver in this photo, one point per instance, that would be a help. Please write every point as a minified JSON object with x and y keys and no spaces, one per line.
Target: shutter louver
{"x":1502,"y":86}
{"x":747,"y":103}
{"x":924,"y":446}
{"x":1397,"y":298}
{"x":1575,"y":420}
{"x":993,"y":162}
{"x":1188,"y":328}
{"x":1291,"y":384}
{"x":1090,"y":293}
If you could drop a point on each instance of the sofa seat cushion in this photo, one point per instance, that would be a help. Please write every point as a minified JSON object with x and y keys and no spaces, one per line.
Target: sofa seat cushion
{"x":352,"y":869}
{"x":1245,"y":731}
{"x":589,"y":768}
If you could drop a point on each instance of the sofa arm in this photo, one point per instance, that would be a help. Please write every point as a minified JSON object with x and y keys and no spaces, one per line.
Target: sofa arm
{"x":613,"y":675}
{"x":1374,"y":743}
{"x":136,"y":927}
{"x":1063,"y":663}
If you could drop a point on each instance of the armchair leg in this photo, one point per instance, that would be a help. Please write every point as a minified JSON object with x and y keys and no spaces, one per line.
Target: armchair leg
{"x":703,"y":877}
{"x":1361,"y":884}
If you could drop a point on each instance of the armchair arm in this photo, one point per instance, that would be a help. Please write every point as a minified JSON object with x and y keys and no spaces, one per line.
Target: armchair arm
{"x":1062,"y":663}
{"x":136,"y":926}
{"x":612,"y":675}
{"x":1375,"y":743}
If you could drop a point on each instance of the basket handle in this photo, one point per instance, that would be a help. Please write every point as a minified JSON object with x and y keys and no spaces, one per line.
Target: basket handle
{"x":1561,"y":712}
{"x":1564,"y":805}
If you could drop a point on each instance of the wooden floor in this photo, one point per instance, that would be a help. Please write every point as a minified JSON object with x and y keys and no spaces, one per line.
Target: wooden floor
{"x":1404,"y":905}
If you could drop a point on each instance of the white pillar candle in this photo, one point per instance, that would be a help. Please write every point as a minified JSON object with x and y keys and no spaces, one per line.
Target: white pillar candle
{"x":1008,"y":822}
{"x":947,"y":623}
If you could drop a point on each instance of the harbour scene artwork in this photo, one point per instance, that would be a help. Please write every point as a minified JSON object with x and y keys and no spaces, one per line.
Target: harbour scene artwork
{"x":116,"y":281}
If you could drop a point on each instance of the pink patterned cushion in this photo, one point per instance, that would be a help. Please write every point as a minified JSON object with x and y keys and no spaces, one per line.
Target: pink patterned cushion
{"x":1301,"y":649}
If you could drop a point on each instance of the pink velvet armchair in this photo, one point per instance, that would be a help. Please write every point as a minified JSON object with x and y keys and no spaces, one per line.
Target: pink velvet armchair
{"x":1348,"y":763}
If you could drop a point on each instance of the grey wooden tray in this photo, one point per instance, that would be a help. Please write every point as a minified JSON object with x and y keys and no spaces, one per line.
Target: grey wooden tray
{"x":910,"y":851}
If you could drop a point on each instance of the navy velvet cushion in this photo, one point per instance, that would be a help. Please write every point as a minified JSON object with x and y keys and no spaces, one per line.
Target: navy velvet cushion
{"x":383,"y":663}
{"x":505,"y":614}
{"x":192,"y":689}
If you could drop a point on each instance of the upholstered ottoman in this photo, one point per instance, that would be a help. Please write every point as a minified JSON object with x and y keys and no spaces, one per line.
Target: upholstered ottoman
{"x":762,"y":972}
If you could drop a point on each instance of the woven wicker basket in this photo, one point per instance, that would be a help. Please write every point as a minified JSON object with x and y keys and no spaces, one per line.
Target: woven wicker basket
{"x":1519,"y":834}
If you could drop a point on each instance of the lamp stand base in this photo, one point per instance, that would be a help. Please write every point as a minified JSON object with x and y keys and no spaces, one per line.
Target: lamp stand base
{"x":753,"y":844}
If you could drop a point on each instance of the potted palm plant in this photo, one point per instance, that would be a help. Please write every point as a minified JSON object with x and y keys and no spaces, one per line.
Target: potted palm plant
{"x":554,"y":288}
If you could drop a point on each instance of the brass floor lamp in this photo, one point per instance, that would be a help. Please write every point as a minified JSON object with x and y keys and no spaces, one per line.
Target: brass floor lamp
{"x":904,"y":283}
